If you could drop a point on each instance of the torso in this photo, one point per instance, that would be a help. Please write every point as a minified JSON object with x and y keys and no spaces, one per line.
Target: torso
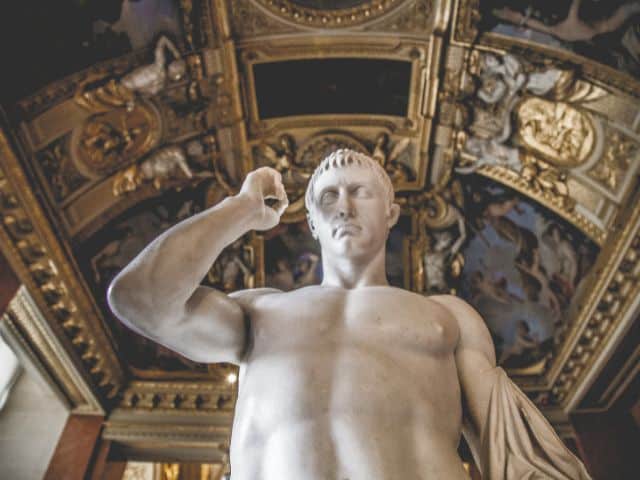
{"x":348,"y":384}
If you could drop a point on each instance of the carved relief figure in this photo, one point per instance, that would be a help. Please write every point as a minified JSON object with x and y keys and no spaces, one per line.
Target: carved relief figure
{"x":389,"y":158}
{"x":151,"y":79}
{"x":162,"y":165}
{"x":310,"y":356}
{"x":171,"y":163}
{"x":502,"y":82}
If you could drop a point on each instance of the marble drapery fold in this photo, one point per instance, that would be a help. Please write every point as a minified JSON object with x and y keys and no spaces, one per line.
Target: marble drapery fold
{"x":518,"y":442}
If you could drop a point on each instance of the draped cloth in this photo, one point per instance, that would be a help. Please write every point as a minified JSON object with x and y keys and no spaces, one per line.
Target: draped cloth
{"x":518,"y":443}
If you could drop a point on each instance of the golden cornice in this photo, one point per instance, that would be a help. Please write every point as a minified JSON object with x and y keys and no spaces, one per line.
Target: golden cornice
{"x":42,"y":264}
{"x":157,"y":437}
{"x":209,"y":436}
{"x":608,"y":308}
{"x":196,"y":398}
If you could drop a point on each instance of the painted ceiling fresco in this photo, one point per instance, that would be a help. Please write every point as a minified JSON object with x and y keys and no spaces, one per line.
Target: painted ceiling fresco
{"x":524,"y":270}
{"x":607,"y":32}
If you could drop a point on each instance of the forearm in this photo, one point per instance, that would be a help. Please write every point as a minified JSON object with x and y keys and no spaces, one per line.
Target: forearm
{"x":162,"y":278}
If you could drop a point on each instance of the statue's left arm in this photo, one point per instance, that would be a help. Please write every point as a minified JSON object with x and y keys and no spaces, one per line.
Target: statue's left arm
{"x":509,"y":436}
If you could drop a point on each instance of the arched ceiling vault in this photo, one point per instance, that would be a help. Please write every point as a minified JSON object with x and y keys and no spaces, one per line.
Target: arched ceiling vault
{"x":514,"y":157}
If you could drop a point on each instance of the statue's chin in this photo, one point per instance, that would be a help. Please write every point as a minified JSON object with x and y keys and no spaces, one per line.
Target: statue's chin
{"x":349,"y":248}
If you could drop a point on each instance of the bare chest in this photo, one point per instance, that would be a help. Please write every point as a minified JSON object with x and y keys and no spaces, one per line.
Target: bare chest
{"x":381,"y":319}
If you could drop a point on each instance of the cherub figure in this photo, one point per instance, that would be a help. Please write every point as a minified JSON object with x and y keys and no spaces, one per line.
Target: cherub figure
{"x":398,"y":171}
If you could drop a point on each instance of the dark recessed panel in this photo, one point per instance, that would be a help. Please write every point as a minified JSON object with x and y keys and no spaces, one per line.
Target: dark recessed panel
{"x":332,"y":86}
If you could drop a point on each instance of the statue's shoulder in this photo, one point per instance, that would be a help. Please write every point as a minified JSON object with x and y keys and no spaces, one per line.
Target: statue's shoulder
{"x":473,"y":329}
{"x":250,"y":295}
{"x":464,"y":313}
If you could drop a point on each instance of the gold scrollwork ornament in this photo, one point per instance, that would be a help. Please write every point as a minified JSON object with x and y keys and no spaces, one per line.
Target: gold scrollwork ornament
{"x":560,"y":133}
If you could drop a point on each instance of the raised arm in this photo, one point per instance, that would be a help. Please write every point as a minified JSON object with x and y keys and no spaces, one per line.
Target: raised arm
{"x":510,"y":438}
{"x":159,"y":295}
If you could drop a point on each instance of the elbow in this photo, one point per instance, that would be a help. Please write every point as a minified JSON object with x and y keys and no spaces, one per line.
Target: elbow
{"x":122,"y":300}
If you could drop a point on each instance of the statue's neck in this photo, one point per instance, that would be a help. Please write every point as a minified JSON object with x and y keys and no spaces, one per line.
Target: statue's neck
{"x":349,"y":273}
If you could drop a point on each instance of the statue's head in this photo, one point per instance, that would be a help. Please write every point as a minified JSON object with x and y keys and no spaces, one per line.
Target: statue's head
{"x":350,"y":206}
{"x":177,"y":70}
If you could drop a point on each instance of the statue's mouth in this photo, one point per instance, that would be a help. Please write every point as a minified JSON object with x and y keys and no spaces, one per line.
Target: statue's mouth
{"x":346,"y":229}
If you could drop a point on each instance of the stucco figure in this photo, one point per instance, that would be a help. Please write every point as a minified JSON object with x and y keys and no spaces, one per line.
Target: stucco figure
{"x":349,"y":379}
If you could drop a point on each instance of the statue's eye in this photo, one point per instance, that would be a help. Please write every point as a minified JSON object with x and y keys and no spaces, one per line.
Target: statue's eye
{"x":360,"y":191}
{"x":328,"y":196}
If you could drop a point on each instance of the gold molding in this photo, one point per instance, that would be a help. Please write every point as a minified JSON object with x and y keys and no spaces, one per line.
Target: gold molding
{"x":156,"y":437}
{"x":423,"y":56}
{"x":605,"y":313}
{"x":196,"y":398}
{"x":42,"y":263}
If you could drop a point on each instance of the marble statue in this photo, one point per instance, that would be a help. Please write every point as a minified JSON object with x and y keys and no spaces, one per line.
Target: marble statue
{"x":349,"y":379}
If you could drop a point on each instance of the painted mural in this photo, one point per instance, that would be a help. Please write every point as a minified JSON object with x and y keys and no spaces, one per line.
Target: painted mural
{"x":524,"y":269}
{"x":608,"y":32}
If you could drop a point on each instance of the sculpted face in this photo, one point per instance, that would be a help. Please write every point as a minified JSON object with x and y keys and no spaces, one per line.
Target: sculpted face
{"x":351,"y":214}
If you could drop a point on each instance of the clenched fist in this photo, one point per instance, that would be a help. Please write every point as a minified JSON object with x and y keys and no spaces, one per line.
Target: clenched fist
{"x":263,"y":187}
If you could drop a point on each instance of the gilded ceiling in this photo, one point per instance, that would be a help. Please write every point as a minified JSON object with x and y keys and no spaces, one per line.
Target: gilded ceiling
{"x":511,"y":134}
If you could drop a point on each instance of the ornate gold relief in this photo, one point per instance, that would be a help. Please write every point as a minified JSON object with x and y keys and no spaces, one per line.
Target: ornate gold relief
{"x":616,"y":159}
{"x":35,"y":254}
{"x":610,"y":303}
{"x":556,"y":131}
{"x":103,"y":98}
{"x":249,"y":20}
{"x":549,"y":181}
{"x":108,"y":141}
{"x":295,"y":12}
{"x":174,"y":165}
{"x":528,"y":130}
{"x":415,"y":16}
{"x":59,"y":170}
{"x":466,"y":20}
{"x":439,"y":231}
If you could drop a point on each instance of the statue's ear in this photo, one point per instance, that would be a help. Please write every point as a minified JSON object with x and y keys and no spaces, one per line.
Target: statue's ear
{"x":312,"y":227}
{"x":393,"y":215}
